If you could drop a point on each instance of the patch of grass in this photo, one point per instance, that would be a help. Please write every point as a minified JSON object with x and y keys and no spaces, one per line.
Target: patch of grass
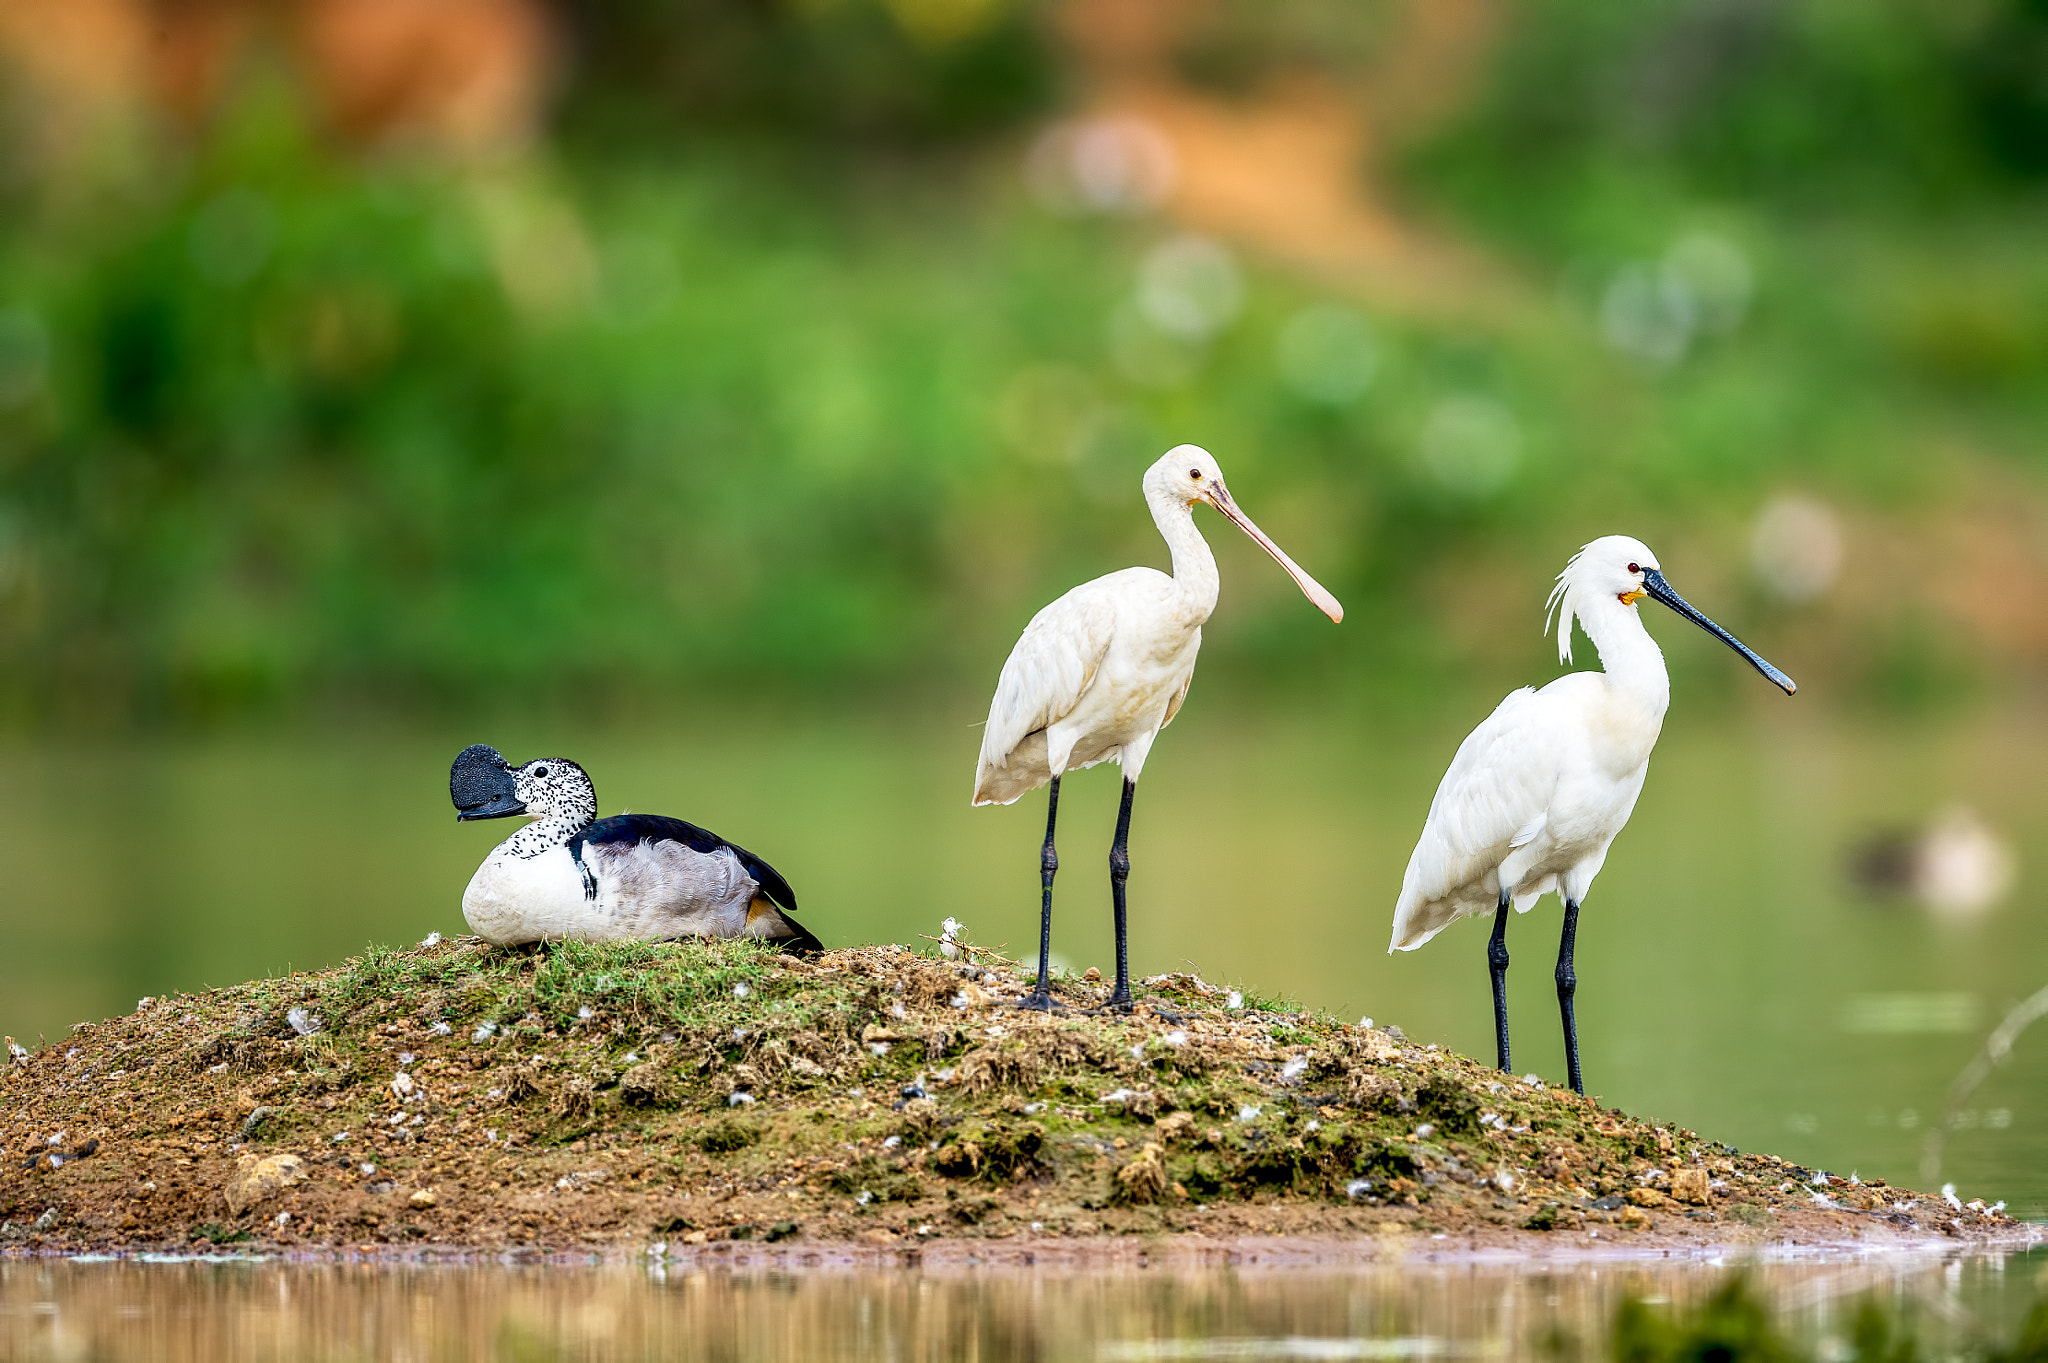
{"x":874,"y":1179}
{"x":216,"y":1233}
{"x":1259,"y":1002}
{"x":646,"y":982}
{"x":722,"y":1138}
{"x":554,"y":985}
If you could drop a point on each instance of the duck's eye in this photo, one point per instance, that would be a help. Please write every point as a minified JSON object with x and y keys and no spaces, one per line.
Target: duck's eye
{"x":1195,"y":474}
{"x":1634,"y":568}
{"x":540,"y":773}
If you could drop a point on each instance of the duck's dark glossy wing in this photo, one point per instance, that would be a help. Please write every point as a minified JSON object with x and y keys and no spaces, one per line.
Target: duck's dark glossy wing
{"x":633,"y":828}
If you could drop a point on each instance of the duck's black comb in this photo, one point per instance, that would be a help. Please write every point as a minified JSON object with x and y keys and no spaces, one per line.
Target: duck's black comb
{"x":477,"y":777}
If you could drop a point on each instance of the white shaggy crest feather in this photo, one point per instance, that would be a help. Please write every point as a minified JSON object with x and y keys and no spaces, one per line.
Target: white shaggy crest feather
{"x":1563,"y":605}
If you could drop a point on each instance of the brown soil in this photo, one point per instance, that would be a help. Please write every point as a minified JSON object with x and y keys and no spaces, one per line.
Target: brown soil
{"x":719,"y":1099}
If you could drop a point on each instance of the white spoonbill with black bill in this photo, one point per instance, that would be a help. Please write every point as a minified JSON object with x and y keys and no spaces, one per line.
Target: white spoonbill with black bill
{"x":571,"y":875}
{"x":1099,"y":672}
{"x":1537,"y":793}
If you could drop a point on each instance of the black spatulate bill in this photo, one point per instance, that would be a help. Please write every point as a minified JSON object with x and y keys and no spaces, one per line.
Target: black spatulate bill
{"x":1656,"y":586}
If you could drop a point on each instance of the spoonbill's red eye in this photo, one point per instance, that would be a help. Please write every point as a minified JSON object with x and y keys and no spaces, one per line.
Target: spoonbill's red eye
{"x":1634,"y":568}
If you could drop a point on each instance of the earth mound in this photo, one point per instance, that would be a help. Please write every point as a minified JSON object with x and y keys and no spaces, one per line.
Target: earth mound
{"x":458,"y":1097}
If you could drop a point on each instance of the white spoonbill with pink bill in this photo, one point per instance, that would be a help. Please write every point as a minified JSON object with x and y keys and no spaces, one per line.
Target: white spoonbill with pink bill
{"x":1099,"y":672}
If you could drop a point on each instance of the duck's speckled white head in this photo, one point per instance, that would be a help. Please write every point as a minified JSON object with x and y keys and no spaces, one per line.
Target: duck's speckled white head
{"x":555,"y":788}
{"x":484,"y":785}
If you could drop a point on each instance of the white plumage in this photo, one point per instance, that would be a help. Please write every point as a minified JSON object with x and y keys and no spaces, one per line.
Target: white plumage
{"x":1096,"y":675}
{"x":1099,"y":672}
{"x":1537,"y":793}
{"x":1533,"y":799}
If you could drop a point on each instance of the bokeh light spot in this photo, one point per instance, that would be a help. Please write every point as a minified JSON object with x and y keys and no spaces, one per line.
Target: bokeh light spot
{"x":1327,"y":354}
{"x":1471,"y":444}
{"x":1190,"y":287}
{"x":1796,"y":548}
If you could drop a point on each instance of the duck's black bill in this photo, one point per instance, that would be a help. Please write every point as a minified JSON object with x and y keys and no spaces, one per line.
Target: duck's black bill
{"x":1655,"y":585}
{"x":480,"y":785}
{"x":502,"y":807}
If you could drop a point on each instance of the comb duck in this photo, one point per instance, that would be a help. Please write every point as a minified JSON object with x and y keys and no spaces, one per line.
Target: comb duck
{"x":573,"y":875}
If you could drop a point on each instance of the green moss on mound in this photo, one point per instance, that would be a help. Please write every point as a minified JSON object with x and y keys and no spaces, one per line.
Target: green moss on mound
{"x":601,"y":1094}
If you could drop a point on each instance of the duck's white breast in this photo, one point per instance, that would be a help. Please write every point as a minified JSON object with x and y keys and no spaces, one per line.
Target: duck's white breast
{"x":513,"y":899}
{"x":648,"y":890}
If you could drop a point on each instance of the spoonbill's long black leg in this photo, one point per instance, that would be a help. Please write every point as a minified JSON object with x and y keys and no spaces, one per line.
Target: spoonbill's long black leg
{"x":1568,"y":985}
{"x":1119,"y":872}
{"x":1048,"y":866}
{"x":1497,"y":965}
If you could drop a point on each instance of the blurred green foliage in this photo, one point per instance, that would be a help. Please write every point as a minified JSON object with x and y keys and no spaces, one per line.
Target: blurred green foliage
{"x":1896,"y":107}
{"x":1731,"y":1326}
{"x":875,"y":74}
{"x":769,"y":373}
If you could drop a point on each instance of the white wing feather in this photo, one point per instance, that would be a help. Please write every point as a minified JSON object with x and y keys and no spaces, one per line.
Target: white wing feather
{"x":1493,"y":799}
{"x":1047,"y":673}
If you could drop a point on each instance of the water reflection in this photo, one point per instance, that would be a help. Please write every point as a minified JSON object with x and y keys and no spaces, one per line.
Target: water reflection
{"x":1746,"y":987}
{"x":255,"y":1310}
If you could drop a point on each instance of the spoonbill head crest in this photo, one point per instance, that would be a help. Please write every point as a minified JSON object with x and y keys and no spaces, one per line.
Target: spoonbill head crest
{"x":1611,"y":566}
{"x":1187,"y":474}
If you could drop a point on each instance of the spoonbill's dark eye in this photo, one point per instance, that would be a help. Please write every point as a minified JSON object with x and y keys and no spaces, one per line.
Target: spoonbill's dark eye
{"x":540,"y":773}
{"x":1634,"y":568}
{"x":1195,"y":474}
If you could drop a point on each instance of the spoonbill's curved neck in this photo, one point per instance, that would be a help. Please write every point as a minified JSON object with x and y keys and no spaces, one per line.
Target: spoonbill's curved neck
{"x":1194,"y":566}
{"x":1628,"y":655}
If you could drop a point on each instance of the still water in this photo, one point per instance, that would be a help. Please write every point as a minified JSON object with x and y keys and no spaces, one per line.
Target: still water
{"x":1732,"y":978}
{"x":312,"y":1314}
